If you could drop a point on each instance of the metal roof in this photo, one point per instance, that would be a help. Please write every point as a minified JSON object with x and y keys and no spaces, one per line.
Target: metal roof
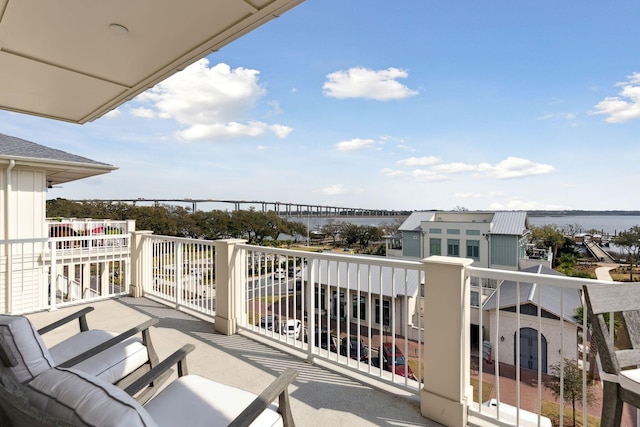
{"x":513,"y":223}
{"x":412,"y":223}
{"x":549,"y":296}
{"x":75,"y":60}
{"x":60,"y":166}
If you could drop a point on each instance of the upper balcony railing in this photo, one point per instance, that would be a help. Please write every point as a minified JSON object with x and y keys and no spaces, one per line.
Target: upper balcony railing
{"x":79,"y":262}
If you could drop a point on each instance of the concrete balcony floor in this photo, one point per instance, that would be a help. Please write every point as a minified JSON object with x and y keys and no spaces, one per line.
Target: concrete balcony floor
{"x":319,"y":397}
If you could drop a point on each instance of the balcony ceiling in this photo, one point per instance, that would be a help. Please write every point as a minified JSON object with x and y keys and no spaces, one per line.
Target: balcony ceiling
{"x":66,"y":60}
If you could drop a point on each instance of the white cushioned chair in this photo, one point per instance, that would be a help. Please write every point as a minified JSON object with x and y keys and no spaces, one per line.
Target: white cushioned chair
{"x":107,"y":355}
{"x":60,"y":396}
{"x":619,"y":373}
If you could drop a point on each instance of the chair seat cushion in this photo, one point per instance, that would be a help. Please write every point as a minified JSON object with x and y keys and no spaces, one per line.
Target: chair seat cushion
{"x":110,"y":365}
{"x":27,"y":345}
{"x":196,"y":401}
{"x":630,"y":380}
{"x":79,"y":398}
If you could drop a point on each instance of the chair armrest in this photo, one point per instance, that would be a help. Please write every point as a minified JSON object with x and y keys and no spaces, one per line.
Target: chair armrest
{"x":628,"y":358}
{"x":277,"y":388}
{"x":80,"y":315}
{"x":178,"y":357}
{"x":107,"y":344}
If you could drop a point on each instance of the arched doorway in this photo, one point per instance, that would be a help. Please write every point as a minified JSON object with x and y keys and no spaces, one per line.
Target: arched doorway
{"x":529,"y":350}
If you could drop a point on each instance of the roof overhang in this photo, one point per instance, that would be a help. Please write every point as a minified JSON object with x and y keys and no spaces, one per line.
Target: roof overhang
{"x":75,"y":60}
{"x":60,"y":172}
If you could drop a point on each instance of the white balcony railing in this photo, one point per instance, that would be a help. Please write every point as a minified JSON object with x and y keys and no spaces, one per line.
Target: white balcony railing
{"x":37,"y":274}
{"x":313,"y":301}
{"x":316,"y":301}
{"x":181,"y":272}
{"x":531,"y":327}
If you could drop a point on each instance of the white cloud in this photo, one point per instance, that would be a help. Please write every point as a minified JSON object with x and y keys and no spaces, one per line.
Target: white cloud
{"x":457,"y":167}
{"x":381,"y":85}
{"x":427,"y":175}
{"x":211,"y":102}
{"x":392,"y":172}
{"x":230,"y":130}
{"x":113,"y":114}
{"x":515,"y":167}
{"x":625,"y":106}
{"x":511,"y":167}
{"x":334,"y":190}
{"x":355,"y":144}
{"x":419,"y":161}
{"x":145,"y":113}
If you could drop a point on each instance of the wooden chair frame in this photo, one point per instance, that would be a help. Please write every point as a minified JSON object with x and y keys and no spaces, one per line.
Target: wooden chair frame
{"x":600,"y":300}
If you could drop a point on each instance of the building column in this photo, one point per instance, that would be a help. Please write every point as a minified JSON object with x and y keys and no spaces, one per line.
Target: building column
{"x":447,"y":391}
{"x":230,"y":270}
{"x":139,"y":260}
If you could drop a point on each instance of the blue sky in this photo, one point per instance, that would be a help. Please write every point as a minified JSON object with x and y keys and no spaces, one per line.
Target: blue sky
{"x":410,"y":104}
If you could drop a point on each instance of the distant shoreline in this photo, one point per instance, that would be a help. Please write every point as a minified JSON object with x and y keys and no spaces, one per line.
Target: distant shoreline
{"x":582,"y":213}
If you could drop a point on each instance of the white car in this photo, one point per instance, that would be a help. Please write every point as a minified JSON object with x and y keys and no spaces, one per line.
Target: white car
{"x":291,"y":328}
{"x":280,"y":274}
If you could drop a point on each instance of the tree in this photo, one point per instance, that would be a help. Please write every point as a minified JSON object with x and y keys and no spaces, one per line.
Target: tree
{"x":212,"y":225}
{"x":349,"y":233}
{"x":368,"y":233}
{"x":629,"y":240}
{"x":295,"y":229}
{"x":547,"y":236}
{"x":331,"y":228}
{"x":571,"y":386}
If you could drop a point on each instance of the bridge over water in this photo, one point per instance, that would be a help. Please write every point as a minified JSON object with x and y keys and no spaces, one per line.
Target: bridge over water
{"x":286,"y":209}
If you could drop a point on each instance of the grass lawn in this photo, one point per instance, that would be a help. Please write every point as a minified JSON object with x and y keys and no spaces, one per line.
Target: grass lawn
{"x":487,"y":388}
{"x":551,"y":410}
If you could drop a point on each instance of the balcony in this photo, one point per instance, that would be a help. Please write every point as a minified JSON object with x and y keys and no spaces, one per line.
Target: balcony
{"x":219,"y":294}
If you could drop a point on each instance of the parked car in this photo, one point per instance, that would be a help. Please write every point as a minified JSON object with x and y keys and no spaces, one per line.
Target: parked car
{"x":270,"y":323}
{"x":387,"y":353}
{"x":280,"y":274}
{"x":323,"y":339}
{"x":291,"y":328}
{"x":354,"y":345}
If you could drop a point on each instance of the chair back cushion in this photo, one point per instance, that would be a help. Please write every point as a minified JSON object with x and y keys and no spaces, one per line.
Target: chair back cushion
{"x":27,"y":346}
{"x":85,"y":400}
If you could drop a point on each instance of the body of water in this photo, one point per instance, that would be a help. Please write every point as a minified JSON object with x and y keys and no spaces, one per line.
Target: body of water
{"x":611,"y":224}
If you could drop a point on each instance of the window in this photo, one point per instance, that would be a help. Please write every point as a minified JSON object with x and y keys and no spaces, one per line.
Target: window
{"x":435,"y":230}
{"x":338,"y":306}
{"x":453,"y":231}
{"x":453,"y":247}
{"x":435,"y":247}
{"x":320,"y":300}
{"x":386,"y":312}
{"x":473,"y":232}
{"x":473,"y":249}
{"x":475,"y":299}
{"x":359,"y":310}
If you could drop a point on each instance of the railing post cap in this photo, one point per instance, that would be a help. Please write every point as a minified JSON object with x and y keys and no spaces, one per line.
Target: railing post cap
{"x":447,"y":260}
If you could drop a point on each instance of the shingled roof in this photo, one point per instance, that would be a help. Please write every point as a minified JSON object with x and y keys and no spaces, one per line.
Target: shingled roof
{"x":12,"y":147}
{"x":60,"y":166}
